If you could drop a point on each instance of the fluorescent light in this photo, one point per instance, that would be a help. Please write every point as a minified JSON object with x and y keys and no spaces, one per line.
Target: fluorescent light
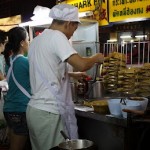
{"x":125,"y":36}
{"x":141,"y":36}
{"x":134,"y":19}
{"x":131,"y":41}
{"x":123,"y":42}
{"x":85,"y":14}
{"x":112,"y":40}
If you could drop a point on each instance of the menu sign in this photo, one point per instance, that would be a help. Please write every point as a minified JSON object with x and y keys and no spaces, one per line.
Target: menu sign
{"x":83,"y":5}
{"x":126,"y":10}
{"x":103,"y":13}
{"x":98,"y":7}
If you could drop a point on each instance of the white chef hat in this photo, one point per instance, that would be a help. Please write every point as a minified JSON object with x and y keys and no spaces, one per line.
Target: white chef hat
{"x":65,"y":12}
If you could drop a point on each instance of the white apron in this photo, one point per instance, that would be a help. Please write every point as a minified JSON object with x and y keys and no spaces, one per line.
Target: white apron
{"x":10,"y":71}
{"x":64,"y":102}
{"x":66,"y":106}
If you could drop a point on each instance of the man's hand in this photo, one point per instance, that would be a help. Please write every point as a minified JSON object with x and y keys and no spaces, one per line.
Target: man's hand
{"x":137,"y":112}
{"x":78,"y":75}
{"x":99,"y":57}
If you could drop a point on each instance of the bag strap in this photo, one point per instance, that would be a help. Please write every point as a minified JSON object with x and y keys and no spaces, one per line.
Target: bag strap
{"x":16,"y":82}
{"x":20,"y":87}
{"x":11,"y":66}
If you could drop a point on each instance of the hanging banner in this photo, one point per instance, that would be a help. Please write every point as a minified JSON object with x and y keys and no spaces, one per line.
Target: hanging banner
{"x":103,"y":13}
{"x":98,"y":7}
{"x":126,"y":10}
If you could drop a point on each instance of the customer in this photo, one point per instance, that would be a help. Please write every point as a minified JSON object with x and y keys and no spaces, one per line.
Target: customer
{"x":16,"y":101}
{"x":48,"y":55}
{"x":3,"y":41}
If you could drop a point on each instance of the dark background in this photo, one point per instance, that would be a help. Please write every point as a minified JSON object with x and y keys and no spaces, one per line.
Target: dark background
{"x":22,"y":7}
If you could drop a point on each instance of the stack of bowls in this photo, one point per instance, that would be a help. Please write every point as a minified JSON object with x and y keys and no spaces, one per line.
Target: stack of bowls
{"x":114,"y":107}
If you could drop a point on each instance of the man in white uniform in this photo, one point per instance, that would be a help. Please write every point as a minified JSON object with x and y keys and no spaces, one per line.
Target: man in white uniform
{"x":51,"y":108}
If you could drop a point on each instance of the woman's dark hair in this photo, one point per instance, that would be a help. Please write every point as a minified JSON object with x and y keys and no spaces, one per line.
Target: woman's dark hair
{"x":7,"y":53}
{"x":15,"y":36}
{"x":3,"y":36}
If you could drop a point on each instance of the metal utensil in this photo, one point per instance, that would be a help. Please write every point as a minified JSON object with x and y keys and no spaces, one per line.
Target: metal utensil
{"x":95,"y":86}
{"x":123,"y":101}
{"x":77,"y":144}
{"x":64,"y":135}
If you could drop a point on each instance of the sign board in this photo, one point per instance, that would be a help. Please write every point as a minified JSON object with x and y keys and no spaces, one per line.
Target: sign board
{"x":128,"y":10}
{"x":103,"y":20}
{"x":84,"y":5}
{"x":98,"y":7}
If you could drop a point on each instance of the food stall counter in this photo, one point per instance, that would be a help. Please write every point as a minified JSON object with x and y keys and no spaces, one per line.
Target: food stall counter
{"x":109,"y":132}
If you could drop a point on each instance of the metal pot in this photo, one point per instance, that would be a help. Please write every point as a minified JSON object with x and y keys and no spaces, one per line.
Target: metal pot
{"x":74,"y":91}
{"x":77,"y":144}
{"x":95,"y":89}
{"x":98,"y":89}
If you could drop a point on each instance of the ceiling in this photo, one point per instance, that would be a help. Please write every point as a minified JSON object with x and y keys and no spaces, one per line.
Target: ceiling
{"x":25,"y":8}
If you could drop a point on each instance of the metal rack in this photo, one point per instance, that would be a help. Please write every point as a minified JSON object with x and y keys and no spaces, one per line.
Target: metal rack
{"x":137,"y":53}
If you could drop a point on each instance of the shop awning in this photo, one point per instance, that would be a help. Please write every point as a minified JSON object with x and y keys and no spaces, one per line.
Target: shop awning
{"x":10,"y":22}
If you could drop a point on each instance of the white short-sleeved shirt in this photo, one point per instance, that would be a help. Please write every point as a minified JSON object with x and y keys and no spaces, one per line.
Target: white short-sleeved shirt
{"x":47,"y":55}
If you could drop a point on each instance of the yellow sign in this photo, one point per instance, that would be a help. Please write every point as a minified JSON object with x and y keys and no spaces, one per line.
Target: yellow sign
{"x":98,"y":7}
{"x":103,"y":13}
{"x":83,"y":5}
{"x":125,"y":10}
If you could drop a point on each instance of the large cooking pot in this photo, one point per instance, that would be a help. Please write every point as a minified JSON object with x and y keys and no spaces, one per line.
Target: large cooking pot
{"x":77,"y":144}
{"x":98,"y":89}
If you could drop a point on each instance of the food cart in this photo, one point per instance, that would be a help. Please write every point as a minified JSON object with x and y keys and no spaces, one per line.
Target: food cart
{"x":108,"y":132}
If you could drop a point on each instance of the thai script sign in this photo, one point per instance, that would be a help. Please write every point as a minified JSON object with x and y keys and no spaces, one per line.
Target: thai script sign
{"x":124,"y":10}
{"x":103,"y":20}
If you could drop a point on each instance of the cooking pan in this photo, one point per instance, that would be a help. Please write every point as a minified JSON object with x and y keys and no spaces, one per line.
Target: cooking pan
{"x":76,"y":144}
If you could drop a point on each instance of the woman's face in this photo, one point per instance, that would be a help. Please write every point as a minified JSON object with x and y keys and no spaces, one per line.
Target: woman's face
{"x":25,"y":43}
{"x":2,"y":46}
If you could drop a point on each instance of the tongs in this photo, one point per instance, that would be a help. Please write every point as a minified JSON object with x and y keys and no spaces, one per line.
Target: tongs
{"x":86,"y":96}
{"x":122,"y":101}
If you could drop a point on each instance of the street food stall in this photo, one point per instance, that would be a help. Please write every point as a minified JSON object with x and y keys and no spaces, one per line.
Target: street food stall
{"x":123,"y":75}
